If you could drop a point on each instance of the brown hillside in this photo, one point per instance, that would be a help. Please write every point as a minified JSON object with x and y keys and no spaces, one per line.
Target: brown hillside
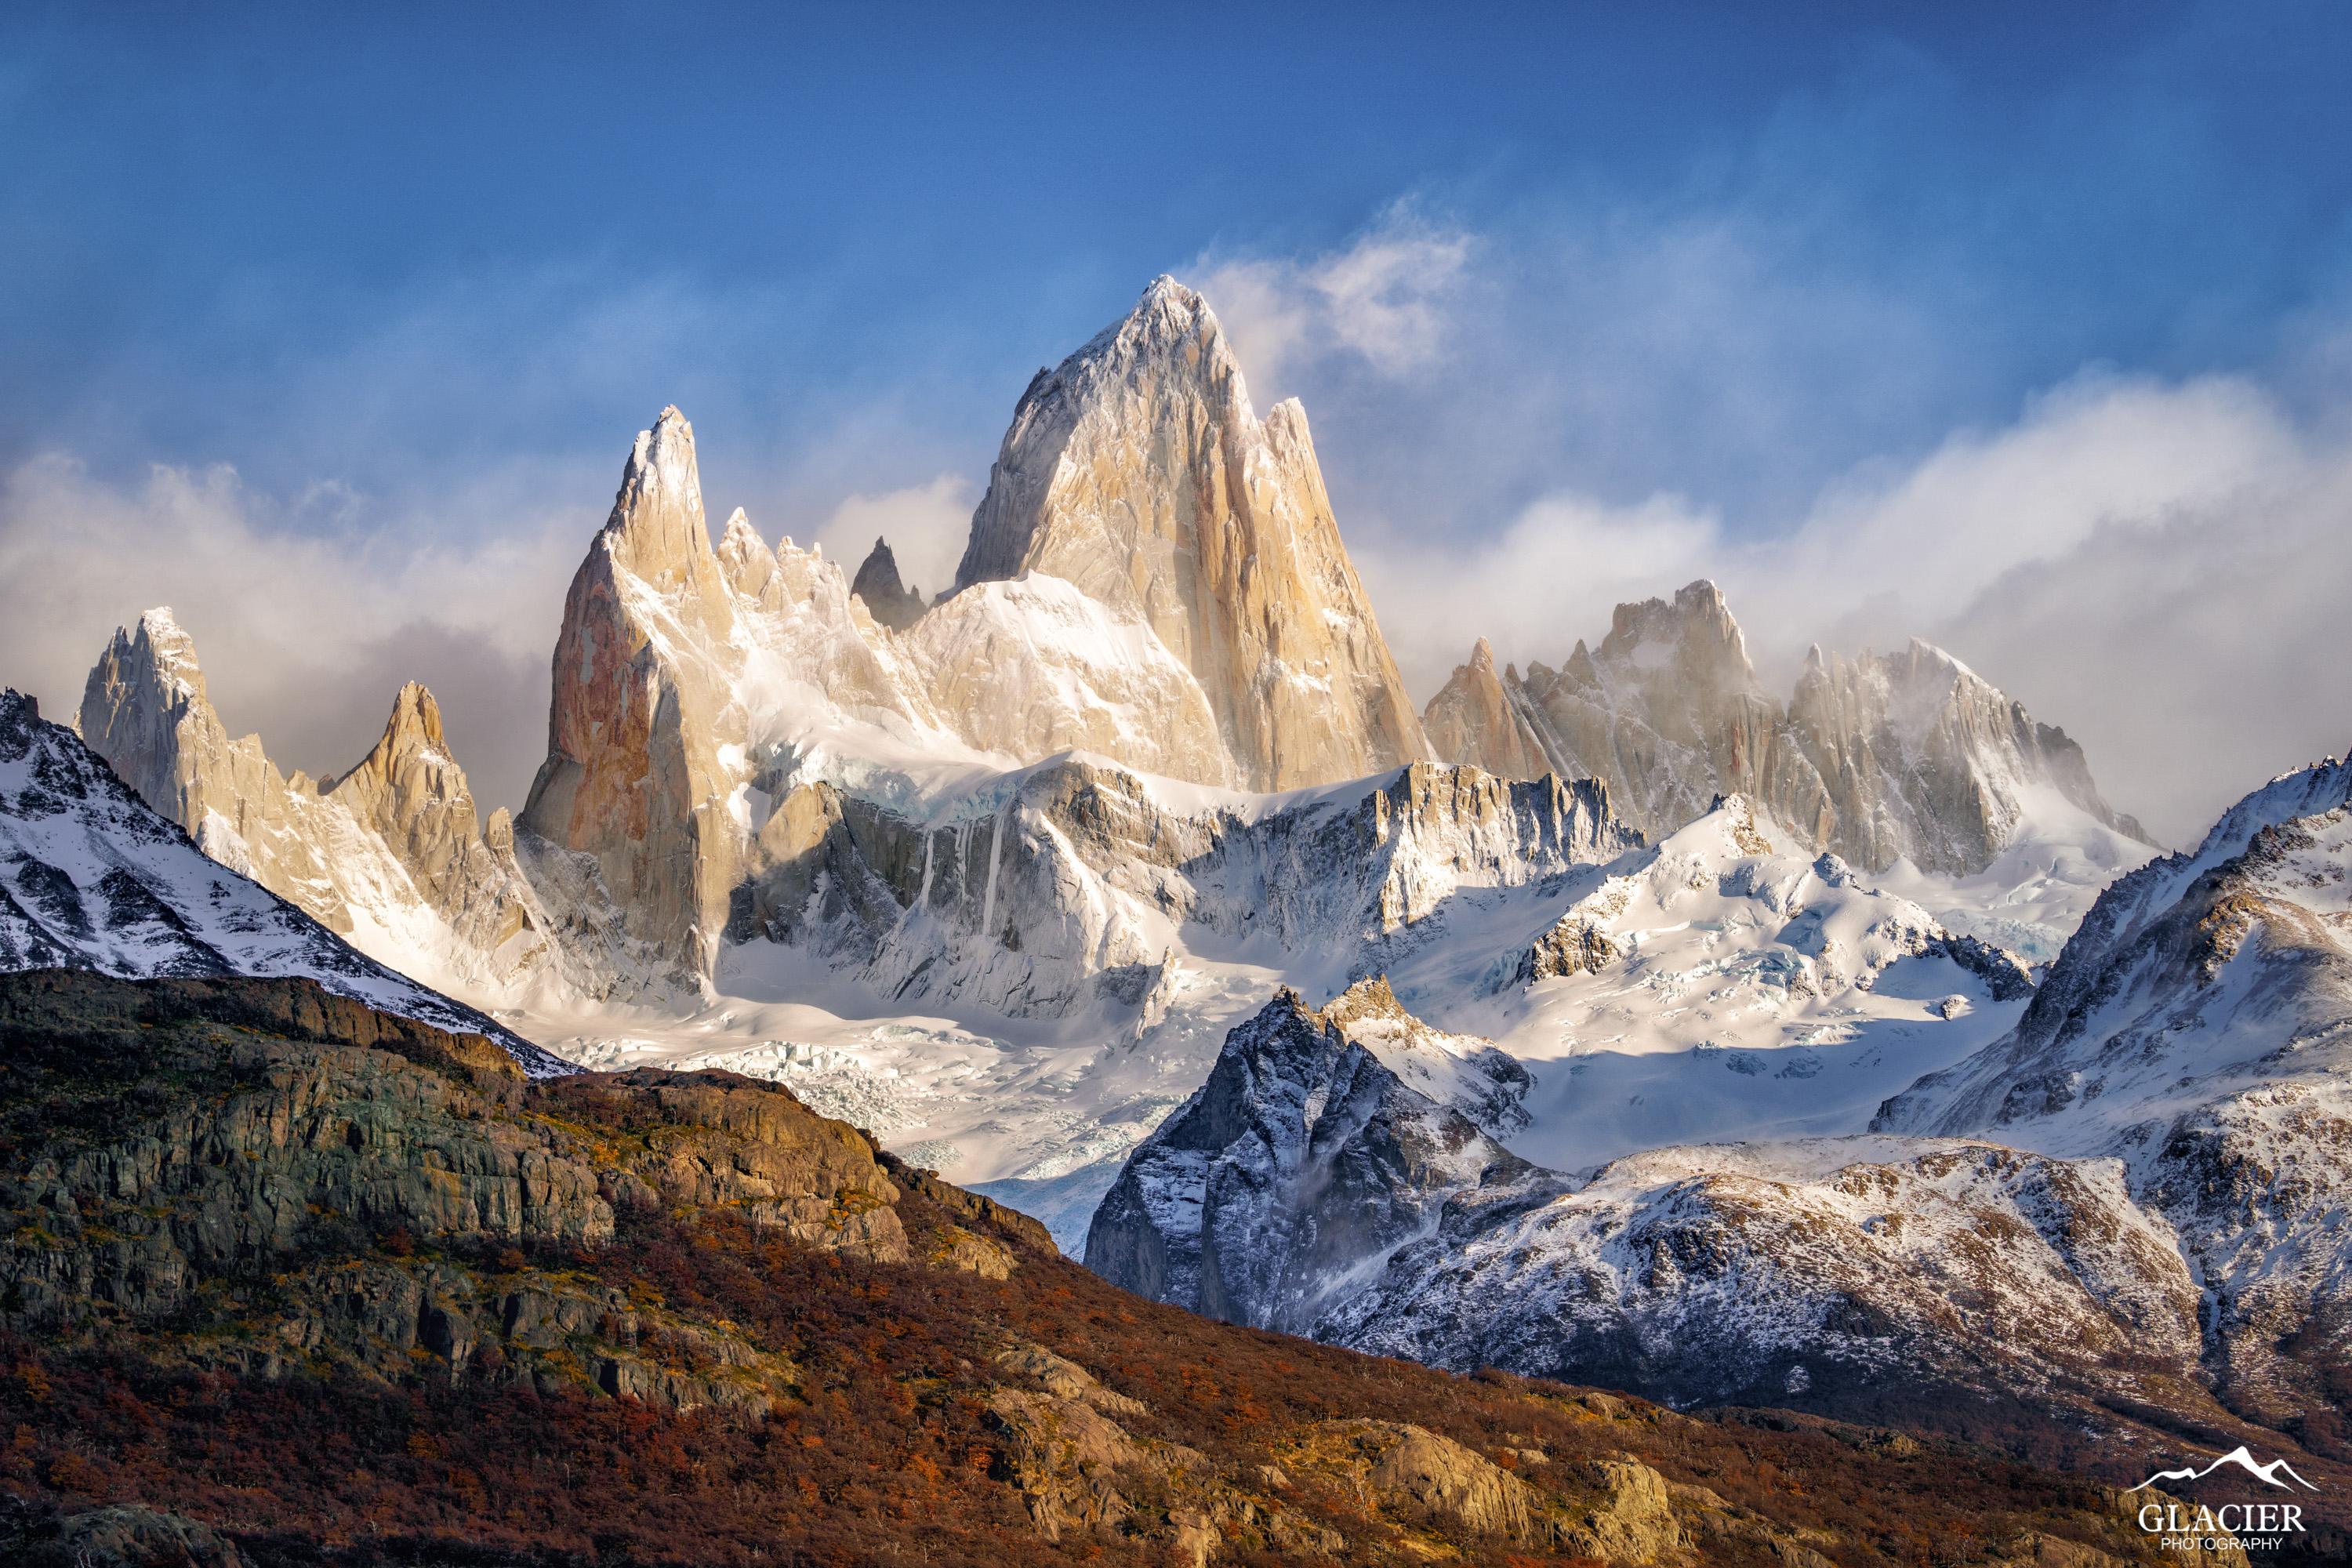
{"x":288,"y":1282}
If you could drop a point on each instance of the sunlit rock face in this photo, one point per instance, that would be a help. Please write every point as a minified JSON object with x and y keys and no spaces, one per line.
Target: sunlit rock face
{"x":1138,"y":472}
{"x":392,"y":855}
{"x":643,"y":679}
{"x":1886,"y":757}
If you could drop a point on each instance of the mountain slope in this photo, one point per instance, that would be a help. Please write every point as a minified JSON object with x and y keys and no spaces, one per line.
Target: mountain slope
{"x":392,"y":856}
{"x":679,"y":1319}
{"x":1304,"y":1154}
{"x":1948,"y":1285}
{"x":2199,"y":1028}
{"x":90,"y":878}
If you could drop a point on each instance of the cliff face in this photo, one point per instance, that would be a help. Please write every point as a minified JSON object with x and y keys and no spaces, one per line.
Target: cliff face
{"x":1064,"y":889}
{"x":1138,"y":472}
{"x":643,"y":701}
{"x":1906,"y":756}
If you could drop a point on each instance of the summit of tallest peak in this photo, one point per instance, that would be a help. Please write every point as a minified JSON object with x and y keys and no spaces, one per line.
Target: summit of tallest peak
{"x":1165,"y":289}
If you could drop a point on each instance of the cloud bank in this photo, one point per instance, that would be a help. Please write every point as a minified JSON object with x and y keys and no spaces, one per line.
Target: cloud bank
{"x":2161,"y":569}
{"x":305,"y":633}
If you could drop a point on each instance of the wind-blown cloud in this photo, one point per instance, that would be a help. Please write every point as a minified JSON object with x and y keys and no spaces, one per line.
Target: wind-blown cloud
{"x":1384,"y":301}
{"x":2161,"y":569}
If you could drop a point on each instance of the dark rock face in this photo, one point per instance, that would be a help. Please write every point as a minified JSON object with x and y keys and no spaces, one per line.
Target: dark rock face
{"x":896,"y":605}
{"x":1303,"y":1158}
{"x":173,"y":1139}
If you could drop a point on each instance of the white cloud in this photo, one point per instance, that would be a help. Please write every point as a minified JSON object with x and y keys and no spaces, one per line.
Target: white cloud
{"x":304,"y":636}
{"x":1384,"y":300}
{"x":2159,"y":569}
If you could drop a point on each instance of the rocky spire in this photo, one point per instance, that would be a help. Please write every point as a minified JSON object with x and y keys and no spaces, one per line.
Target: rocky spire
{"x":643,"y":705}
{"x":144,"y":711}
{"x":1139,"y":471}
{"x":413,"y":793}
{"x":1477,"y":719}
{"x":656,"y":531}
{"x":744,"y":558}
{"x":389,"y":849}
{"x":894,"y":605}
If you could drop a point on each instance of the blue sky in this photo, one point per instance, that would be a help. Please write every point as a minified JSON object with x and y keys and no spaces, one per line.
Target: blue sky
{"x":415,"y":278}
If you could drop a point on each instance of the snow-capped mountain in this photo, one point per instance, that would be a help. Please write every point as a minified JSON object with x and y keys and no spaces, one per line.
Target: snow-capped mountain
{"x":1138,"y":472}
{"x":996,"y":875}
{"x":90,"y":878}
{"x":1906,"y":757}
{"x":1306,"y":1157}
{"x":2160,"y":1227}
{"x":2197,"y":1028}
{"x":1725,"y":983}
{"x":1311,"y":1185}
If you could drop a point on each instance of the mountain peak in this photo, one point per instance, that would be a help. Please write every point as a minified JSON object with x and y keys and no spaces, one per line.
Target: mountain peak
{"x":1136,"y":472}
{"x":158,"y":645}
{"x":416,"y":719}
{"x":894,"y":604}
{"x":656,"y":529}
{"x":1170,"y":335}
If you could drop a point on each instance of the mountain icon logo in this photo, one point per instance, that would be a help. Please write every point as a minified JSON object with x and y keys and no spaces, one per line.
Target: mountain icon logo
{"x":2269,"y":1474}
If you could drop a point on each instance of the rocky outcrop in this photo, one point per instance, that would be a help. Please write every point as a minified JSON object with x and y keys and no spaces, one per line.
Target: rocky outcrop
{"x":282,"y":1128}
{"x":392,"y":856}
{"x":1908,"y":756}
{"x":1303,"y":1161}
{"x":126,"y":1535}
{"x":891,"y":603}
{"x":1138,"y":472}
{"x":644,"y":702}
{"x":92,"y":877}
{"x":1618,"y":1510}
{"x":1574,"y":945}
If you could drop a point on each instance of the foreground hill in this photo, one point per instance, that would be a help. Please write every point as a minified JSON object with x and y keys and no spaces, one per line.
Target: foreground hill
{"x":288,"y":1280}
